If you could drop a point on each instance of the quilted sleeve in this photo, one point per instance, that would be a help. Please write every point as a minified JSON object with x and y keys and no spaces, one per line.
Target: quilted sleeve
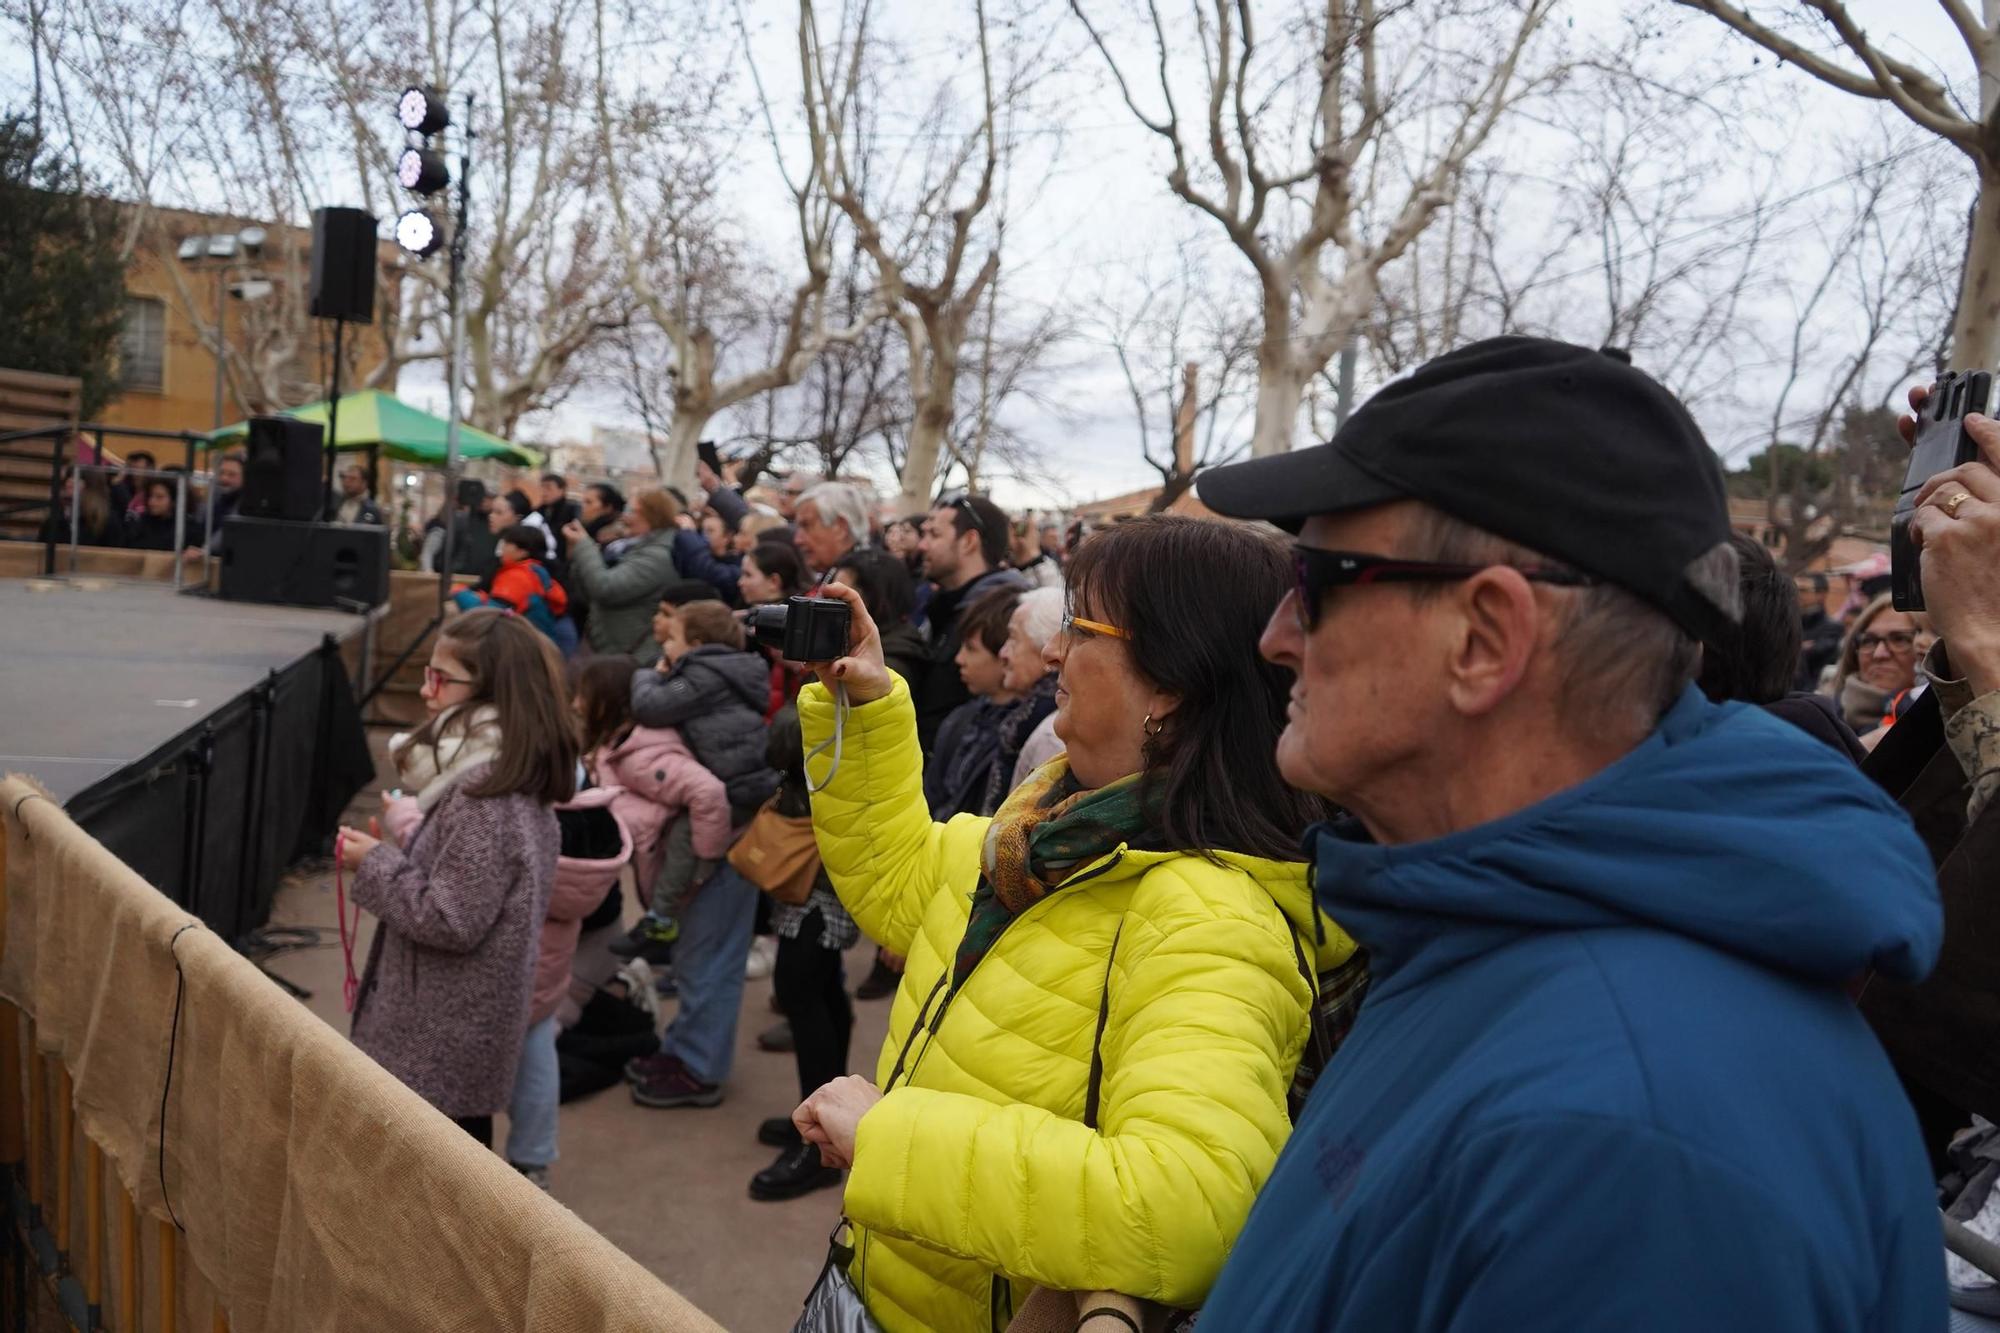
{"x":401,"y":818}
{"x":689,"y":786}
{"x":660,"y":699}
{"x":1203,"y":1032}
{"x":881,"y":849}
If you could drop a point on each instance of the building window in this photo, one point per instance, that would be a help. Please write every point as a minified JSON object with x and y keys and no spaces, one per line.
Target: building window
{"x":142,"y":348}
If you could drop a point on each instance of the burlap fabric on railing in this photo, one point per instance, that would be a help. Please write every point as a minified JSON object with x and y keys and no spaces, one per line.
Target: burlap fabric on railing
{"x":316,"y":1192}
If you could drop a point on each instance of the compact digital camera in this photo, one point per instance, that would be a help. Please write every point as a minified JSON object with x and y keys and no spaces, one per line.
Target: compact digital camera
{"x":803,"y":629}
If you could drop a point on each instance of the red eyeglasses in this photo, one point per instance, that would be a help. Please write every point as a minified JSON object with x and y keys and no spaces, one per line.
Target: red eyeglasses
{"x":1317,"y":573}
{"x":435,"y":680}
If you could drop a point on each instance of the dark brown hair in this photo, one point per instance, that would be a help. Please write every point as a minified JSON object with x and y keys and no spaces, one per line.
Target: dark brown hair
{"x":779,"y":561}
{"x":1195,"y":596}
{"x":711,"y":622}
{"x":987,"y":618}
{"x":603,"y":687}
{"x":518,"y":671}
{"x":1755,"y":661}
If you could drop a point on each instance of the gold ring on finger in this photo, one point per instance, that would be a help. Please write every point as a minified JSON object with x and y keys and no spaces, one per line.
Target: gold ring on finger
{"x":1951,"y":504}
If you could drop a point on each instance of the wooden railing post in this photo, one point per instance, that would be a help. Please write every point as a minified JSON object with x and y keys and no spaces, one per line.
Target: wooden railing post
{"x":59,"y":1095}
{"x":93,"y":1228}
{"x":128,"y":1263}
{"x":170,"y":1275}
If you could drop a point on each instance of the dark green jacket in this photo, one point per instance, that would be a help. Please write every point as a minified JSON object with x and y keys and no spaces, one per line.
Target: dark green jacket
{"x":624,"y":596}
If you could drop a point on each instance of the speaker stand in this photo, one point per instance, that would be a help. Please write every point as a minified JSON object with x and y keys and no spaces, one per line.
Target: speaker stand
{"x":327,"y":507}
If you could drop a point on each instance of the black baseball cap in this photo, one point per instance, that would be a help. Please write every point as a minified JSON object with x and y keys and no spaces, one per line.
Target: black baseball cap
{"x":1567,"y":450}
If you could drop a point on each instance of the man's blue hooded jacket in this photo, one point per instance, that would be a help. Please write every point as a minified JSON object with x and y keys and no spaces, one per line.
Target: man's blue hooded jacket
{"x":1606,"y":1077}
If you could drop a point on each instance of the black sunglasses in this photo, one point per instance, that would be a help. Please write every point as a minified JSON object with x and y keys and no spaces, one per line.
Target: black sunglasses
{"x":962,"y":502}
{"x":1318,"y":573}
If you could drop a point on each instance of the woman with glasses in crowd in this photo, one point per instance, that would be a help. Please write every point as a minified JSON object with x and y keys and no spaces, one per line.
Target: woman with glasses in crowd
{"x":1106,"y":997}
{"x":1877,"y":673}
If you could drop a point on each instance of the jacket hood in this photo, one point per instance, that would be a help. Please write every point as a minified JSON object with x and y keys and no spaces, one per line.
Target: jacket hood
{"x":1726,"y":826}
{"x":745,"y":673}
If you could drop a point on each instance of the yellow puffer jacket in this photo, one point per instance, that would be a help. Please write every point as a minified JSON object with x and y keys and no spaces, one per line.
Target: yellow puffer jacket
{"x":977,"y":1163}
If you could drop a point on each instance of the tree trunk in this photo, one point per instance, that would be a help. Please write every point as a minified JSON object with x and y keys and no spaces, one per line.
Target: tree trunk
{"x":1975,"y":334}
{"x":926,"y":442}
{"x":1281,"y":387}
{"x":676,"y":458}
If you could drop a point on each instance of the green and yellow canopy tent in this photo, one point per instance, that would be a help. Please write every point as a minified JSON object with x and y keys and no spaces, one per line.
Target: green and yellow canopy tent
{"x":386,"y":426}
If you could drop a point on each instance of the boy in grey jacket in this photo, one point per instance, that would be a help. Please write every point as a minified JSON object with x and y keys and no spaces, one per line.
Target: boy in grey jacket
{"x":715,"y":693}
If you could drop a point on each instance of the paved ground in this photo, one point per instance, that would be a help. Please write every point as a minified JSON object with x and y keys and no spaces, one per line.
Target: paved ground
{"x":667,"y":1187}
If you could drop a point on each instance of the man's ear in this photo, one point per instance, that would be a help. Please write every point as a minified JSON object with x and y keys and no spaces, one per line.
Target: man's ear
{"x":1500,"y":623}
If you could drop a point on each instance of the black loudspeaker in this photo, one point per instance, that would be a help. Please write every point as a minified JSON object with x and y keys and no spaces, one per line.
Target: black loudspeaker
{"x":281,"y":469}
{"x":343,"y":565}
{"x":343,"y":265}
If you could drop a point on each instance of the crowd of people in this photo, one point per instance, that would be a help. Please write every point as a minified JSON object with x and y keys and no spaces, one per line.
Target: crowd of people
{"x":136,"y":504}
{"x":1466,"y":886}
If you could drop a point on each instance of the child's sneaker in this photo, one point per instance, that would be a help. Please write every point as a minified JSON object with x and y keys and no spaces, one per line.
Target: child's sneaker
{"x":538,"y":1176}
{"x":651,"y":938}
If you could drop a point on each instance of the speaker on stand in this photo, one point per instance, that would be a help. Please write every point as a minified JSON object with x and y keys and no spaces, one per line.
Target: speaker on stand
{"x":281,"y":469}
{"x":343,"y":289}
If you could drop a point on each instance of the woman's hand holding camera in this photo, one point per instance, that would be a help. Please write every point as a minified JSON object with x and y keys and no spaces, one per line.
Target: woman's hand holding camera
{"x":1957,"y":527}
{"x":862,"y":671}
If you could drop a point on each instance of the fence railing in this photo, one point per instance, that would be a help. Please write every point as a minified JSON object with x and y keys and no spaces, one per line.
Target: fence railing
{"x":185,"y":1147}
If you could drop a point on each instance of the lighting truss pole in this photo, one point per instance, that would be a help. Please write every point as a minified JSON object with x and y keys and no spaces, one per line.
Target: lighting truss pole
{"x":455,"y":288}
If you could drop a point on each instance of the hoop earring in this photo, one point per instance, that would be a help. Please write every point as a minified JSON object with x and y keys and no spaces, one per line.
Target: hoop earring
{"x":1150,"y":727}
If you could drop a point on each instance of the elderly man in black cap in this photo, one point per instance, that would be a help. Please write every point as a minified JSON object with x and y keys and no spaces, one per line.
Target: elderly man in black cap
{"x":1605,"y":1076}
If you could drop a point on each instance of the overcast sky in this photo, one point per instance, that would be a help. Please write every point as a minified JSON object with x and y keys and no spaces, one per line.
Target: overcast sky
{"x":1090,"y":219}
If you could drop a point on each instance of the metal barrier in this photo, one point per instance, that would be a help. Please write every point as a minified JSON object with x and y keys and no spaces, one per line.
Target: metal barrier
{"x":191,"y":441}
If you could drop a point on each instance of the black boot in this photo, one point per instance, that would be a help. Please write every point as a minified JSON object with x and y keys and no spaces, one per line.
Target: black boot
{"x":779,"y":1132}
{"x":797,"y":1171}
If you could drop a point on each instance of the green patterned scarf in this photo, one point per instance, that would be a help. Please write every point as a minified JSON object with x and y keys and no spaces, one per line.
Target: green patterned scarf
{"x":1046,"y":831}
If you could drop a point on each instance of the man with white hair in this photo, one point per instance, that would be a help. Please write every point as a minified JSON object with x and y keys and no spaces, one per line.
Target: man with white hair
{"x":1605,"y":1076}
{"x":831,"y":520}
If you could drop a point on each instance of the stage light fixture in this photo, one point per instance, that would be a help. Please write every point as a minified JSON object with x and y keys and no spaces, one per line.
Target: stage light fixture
{"x":423,"y":171}
{"x":418,"y":232}
{"x":422,"y":110}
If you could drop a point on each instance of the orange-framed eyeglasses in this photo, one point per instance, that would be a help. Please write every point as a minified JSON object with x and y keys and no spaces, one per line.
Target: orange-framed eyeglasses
{"x":1092,"y":628}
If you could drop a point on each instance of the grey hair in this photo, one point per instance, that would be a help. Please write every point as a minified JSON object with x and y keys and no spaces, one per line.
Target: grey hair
{"x":1041,"y":613}
{"x":838,"y":502}
{"x":1623,"y":663}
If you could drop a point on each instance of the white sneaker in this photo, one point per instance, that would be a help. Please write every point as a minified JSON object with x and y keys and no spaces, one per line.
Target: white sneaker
{"x":638,"y":978}
{"x":763,"y":957}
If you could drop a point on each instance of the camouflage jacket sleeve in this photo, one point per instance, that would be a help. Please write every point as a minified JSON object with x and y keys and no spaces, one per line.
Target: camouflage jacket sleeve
{"x":1971,"y":729}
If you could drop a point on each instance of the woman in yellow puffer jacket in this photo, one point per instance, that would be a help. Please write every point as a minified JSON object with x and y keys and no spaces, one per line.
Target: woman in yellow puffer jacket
{"x":1140,"y":900}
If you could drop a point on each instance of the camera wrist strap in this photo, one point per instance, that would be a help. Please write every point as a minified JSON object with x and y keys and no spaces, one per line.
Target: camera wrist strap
{"x":833,"y":741}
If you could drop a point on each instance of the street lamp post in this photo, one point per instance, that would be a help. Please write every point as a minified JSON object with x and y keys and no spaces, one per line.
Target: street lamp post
{"x":247,"y":243}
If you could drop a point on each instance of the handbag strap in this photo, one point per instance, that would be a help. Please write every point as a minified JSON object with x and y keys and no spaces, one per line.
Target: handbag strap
{"x":1095,"y":1090}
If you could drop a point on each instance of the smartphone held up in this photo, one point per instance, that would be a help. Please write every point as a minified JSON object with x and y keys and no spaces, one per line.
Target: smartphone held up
{"x":1942,"y":443}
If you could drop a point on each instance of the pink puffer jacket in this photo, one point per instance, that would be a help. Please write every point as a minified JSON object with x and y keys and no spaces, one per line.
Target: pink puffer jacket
{"x":580,"y":887}
{"x":662,"y":780}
